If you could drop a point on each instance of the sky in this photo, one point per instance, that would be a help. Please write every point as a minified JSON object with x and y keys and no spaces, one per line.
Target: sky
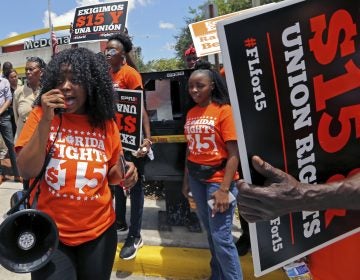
{"x":152,"y":23}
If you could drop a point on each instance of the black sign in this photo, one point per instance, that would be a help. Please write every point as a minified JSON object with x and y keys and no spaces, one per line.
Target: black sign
{"x":98,"y":22}
{"x":293,"y":74}
{"x":129,"y":104}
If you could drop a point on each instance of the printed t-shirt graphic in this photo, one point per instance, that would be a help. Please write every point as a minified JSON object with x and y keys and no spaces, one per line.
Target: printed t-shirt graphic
{"x":74,"y":191}
{"x":206,"y":130}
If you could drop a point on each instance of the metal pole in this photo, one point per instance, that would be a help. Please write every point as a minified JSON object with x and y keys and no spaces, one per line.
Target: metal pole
{"x":211,"y":15}
{"x":50,"y":24}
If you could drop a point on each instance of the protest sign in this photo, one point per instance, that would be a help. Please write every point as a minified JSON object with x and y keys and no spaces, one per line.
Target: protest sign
{"x":204,"y":34}
{"x":129,"y":104}
{"x":98,"y":22}
{"x":294,"y":82}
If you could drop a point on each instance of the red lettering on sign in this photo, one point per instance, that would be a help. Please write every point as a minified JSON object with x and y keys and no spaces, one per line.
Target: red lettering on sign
{"x":130,"y":124}
{"x":90,"y":20}
{"x":335,"y":126}
{"x":80,"y":21}
{"x":341,"y":25}
{"x":333,"y":143}
{"x":116,"y":16}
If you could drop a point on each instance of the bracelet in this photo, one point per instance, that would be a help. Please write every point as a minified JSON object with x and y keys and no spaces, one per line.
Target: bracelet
{"x":225,"y":191}
{"x":147,"y":140}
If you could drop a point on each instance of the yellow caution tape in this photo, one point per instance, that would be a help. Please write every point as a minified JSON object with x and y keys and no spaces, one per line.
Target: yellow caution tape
{"x":168,"y":139}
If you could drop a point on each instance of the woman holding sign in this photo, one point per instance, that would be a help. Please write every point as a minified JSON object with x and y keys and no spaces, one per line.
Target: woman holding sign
{"x":211,"y":167}
{"x":124,"y":76}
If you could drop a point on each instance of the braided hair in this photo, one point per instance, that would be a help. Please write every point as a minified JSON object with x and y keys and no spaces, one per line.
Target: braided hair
{"x":220,"y":93}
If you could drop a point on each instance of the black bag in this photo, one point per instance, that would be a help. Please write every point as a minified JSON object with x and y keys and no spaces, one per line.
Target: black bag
{"x":203,"y":172}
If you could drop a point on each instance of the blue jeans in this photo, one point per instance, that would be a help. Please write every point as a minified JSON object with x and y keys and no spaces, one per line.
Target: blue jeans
{"x":225,"y":263}
{"x":8,"y":136}
{"x":136,"y":199}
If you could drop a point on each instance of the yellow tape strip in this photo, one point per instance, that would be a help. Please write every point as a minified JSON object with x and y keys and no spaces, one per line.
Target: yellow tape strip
{"x":168,"y":139}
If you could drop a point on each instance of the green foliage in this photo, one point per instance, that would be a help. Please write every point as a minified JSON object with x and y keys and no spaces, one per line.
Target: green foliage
{"x":231,"y":6}
{"x":183,"y":39}
{"x":162,"y":65}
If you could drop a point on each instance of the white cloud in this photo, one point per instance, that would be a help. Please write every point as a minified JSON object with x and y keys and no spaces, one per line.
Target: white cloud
{"x":68,"y":17}
{"x":12,"y":34}
{"x":166,"y":25}
{"x":144,"y":2}
{"x":56,"y":20}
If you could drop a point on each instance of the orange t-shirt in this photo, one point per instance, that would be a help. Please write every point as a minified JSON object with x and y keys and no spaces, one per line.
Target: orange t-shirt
{"x":126,"y":78}
{"x":337,"y":261}
{"x":74,"y":189}
{"x":207,"y":129}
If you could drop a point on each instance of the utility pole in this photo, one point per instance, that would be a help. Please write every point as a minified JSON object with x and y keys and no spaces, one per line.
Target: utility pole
{"x":211,"y":15}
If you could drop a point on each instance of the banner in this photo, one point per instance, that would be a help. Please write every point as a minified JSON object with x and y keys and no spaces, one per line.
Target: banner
{"x":98,"y":22}
{"x":293,"y":74}
{"x":129,"y":104}
{"x":204,"y":34}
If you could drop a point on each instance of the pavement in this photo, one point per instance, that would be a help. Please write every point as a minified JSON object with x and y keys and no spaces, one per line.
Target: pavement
{"x":176,"y":254}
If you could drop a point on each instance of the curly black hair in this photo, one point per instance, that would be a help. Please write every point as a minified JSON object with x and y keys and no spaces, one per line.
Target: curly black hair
{"x":220,"y":92}
{"x":92,"y":72}
{"x":123,"y":39}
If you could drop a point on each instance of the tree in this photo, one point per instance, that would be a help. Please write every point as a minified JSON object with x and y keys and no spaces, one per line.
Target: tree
{"x":183,"y":39}
{"x":162,"y":65}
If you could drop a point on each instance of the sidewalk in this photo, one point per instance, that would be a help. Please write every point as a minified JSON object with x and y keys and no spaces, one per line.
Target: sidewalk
{"x":176,"y":254}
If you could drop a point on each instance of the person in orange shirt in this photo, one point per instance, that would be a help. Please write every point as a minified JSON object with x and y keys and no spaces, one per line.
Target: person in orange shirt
{"x":284,"y":194}
{"x":211,"y":167}
{"x":124,"y":76}
{"x":85,"y":158}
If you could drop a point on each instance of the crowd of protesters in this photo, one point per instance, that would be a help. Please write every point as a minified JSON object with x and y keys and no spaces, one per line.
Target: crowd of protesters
{"x":28,"y":118}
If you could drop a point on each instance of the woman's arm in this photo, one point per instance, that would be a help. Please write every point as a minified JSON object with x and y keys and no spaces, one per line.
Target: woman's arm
{"x":221,"y":196}
{"x":31,"y":157}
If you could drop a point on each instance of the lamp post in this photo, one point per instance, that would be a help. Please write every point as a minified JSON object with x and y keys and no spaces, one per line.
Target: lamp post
{"x":213,"y":13}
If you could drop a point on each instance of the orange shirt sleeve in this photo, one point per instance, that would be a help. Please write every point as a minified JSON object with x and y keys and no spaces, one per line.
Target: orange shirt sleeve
{"x":29,"y":127}
{"x":227,"y":125}
{"x":133,"y":78}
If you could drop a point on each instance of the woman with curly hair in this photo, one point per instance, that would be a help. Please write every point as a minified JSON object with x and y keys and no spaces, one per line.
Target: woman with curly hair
{"x":85,"y":157}
{"x":211,"y":166}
